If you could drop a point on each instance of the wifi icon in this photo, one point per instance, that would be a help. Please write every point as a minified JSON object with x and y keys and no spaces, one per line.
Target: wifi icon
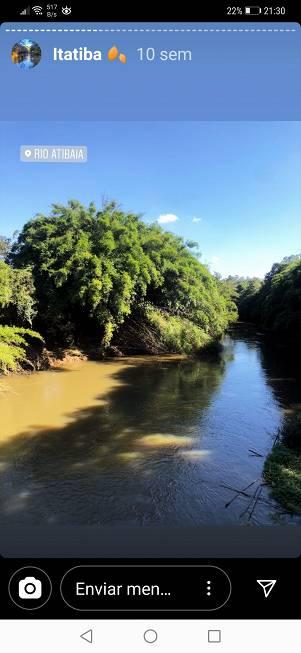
{"x":37,"y":10}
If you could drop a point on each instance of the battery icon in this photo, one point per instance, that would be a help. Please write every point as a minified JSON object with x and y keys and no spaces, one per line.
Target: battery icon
{"x":252,"y":11}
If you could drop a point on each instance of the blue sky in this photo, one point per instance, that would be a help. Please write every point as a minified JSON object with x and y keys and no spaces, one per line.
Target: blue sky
{"x":232,"y":186}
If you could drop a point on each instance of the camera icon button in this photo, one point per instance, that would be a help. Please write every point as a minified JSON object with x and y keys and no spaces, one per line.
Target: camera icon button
{"x":30,"y":588}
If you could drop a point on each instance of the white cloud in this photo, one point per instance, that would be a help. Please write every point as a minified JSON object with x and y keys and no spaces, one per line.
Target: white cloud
{"x":196,"y":219}
{"x":167,"y":217}
{"x":215,"y":259}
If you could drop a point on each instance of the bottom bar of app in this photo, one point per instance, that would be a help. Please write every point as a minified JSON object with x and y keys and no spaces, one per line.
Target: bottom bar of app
{"x":147,"y":635}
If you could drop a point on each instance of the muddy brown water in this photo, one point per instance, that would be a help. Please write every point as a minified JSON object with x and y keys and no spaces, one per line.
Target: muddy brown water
{"x":145,"y":440}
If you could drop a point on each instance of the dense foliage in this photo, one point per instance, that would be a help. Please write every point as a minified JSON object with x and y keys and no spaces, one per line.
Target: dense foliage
{"x":176,"y":334}
{"x":243,"y":291}
{"x":17,"y":306}
{"x":82,"y":274}
{"x":282,"y":469}
{"x":278,"y":302}
{"x":13,"y":346}
{"x":94,"y":268}
{"x":275,"y":303}
{"x":17,"y":303}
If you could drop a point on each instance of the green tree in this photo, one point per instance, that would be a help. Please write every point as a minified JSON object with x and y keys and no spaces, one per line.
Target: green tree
{"x":93,"y":268}
{"x":275,"y":304}
{"x":17,"y":305}
{"x":279,"y":300}
{"x":17,"y":301}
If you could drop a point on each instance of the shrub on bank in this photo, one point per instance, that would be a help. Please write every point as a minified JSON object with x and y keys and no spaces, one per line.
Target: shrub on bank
{"x":282,"y":469}
{"x":13,"y":344}
{"x":177,"y":335}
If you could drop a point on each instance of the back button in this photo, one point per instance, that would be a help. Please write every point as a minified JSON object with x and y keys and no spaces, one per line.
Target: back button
{"x":88,"y":636}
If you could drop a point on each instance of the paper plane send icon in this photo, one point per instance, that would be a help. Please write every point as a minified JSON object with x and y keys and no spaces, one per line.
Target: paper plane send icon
{"x":267,"y":586}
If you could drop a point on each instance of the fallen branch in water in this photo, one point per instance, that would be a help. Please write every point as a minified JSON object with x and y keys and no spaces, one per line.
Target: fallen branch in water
{"x":256,"y":453}
{"x":238,"y":492}
{"x":243,"y":493}
{"x":256,"y":499}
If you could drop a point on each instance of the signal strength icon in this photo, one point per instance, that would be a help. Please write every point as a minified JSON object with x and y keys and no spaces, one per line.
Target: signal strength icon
{"x":37,"y":10}
{"x":25,"y":12}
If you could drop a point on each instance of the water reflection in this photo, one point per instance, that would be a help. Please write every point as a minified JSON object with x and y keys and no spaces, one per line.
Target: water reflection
{"x":283,"y":373}
{"x":144,"y":441}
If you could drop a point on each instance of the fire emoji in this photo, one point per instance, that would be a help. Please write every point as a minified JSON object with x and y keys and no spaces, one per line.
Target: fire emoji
{"x":113,"y":54}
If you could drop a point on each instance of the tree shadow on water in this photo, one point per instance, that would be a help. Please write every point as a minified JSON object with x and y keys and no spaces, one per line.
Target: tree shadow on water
{"x":282,"y":369}
{"x":117,"y":462}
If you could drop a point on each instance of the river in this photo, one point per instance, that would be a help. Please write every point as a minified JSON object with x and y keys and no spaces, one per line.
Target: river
{"x":145,"y":440}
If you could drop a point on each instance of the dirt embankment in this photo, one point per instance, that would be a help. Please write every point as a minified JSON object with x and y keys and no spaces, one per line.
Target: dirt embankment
{"x":45,"y":359}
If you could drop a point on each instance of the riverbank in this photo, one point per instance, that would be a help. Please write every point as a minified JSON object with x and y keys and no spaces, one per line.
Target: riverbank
{"x":60,"y":357}
{"x":42,"y":359}
{"x":282,"y":468}
{"x":39,"y":357}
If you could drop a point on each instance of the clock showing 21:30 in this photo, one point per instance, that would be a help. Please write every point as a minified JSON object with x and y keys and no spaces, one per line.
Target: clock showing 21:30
{"x":274,"y":11}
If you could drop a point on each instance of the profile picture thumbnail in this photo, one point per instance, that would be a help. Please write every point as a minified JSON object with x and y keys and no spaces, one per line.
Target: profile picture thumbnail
{"x":26,"y":54}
